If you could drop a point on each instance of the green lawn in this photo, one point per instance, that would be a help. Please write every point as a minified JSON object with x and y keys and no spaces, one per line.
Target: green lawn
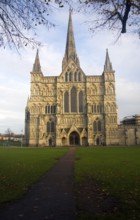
{"x":117,"y":171}
{"x":20,"y":167}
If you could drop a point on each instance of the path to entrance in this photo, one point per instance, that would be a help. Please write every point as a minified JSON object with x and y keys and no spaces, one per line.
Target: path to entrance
{"x":51,"y":198}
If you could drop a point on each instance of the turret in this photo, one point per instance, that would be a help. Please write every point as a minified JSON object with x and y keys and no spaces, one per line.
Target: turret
{"x":108,"y":64}
{"x":37,"y":66}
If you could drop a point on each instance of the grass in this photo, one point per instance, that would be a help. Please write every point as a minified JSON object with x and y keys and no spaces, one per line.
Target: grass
{"x":117,"y":170}
{"x":20,"y":168}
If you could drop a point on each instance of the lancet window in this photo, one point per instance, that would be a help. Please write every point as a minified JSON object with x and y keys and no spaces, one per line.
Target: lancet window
{"x":66,"y":77}
{"x":80,"y":101}
{"x":97,"y":108}
{"x":73,"y":100}
{"x":79,"y":76}
{"x":73,"y":76}
{"x":50,"y":126}
{"x":66,"y":102}
{"x":70,"y":76}
{"x":50,"y":109}
{"x":97,"y":126}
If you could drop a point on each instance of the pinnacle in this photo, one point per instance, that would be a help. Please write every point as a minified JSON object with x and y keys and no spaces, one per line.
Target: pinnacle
{"x":36,"y":66}
{"x":108,"y":64}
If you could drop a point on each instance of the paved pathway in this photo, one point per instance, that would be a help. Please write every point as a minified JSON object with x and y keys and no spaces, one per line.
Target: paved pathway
{"x":51,"y":198}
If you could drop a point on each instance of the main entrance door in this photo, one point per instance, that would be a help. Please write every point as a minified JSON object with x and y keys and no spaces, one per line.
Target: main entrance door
{"x":74,"y":138}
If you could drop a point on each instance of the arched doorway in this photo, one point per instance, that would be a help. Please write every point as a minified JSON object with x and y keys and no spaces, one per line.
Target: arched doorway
{"x":98,"y":141}
{"x":50,"y":142}
{"x":84,"y":141}
{"x":74,"y":138}
{"x":64,"y":141}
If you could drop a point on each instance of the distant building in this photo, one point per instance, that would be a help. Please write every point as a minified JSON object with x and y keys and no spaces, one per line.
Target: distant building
{"x":72,"y":108}
{"x":11,"y":137}
{"x":129,"y":130}
{"x":1,"y":137}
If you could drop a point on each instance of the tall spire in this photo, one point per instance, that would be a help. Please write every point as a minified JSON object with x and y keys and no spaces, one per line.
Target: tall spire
{"x":36,"y":66}
{"x":70,"y":51}
{"x":108,"y":64}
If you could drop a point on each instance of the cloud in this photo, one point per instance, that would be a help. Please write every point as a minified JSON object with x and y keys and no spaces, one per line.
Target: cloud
{"x":127,"y":97}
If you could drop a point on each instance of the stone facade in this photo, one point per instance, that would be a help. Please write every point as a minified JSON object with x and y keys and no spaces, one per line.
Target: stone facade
{"x":72,"y":108}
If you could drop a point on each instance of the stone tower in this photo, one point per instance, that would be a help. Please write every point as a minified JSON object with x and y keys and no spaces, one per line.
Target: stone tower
{"x":110,"y":107}
{"x":71,"y":108}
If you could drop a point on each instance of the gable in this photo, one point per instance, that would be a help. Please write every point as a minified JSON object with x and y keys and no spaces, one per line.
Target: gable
{"x":72,"y":73}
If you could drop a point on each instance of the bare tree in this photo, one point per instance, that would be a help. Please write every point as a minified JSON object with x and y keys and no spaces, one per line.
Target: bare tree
{"x":8,"y":133}
{"x":114,"y":14}
{"x":17,"y":17}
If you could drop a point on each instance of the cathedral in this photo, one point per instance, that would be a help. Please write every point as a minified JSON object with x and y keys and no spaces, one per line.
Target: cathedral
{"x":72,"y":108}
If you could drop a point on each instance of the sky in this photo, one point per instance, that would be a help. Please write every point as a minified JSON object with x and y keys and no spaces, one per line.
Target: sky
{"x":91,"y":49}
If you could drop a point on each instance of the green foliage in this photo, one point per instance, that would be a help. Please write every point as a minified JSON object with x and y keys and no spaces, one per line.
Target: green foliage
{"x":116,"y":170}
{"x":19,"y":168}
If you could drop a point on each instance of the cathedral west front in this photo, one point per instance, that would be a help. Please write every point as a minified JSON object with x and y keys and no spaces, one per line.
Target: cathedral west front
{"x":72,"y":108}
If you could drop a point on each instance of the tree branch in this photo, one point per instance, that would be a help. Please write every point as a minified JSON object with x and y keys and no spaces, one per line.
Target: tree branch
{"x":125,"y":17}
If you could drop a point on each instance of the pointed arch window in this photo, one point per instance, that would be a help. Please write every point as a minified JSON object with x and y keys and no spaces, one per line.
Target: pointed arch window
{"x":94,"y":108}
{"x":73,"y":100}
{"x":98,"y":108}
{"x":75,"y":76}
{"x":94,"y":126}
{"x":66,"y":77}
{"x":53,"y":109}
{"x":79,"y":76}
{"x":80,"y":101}
{"x":52,"y":127}
{"x":49,"y":109}
{"x":101,"y":108}
{"x":97,"y":126}
{"x":70,"y":76}
{"x":66,"y":102}
{"x":48,"y":127}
